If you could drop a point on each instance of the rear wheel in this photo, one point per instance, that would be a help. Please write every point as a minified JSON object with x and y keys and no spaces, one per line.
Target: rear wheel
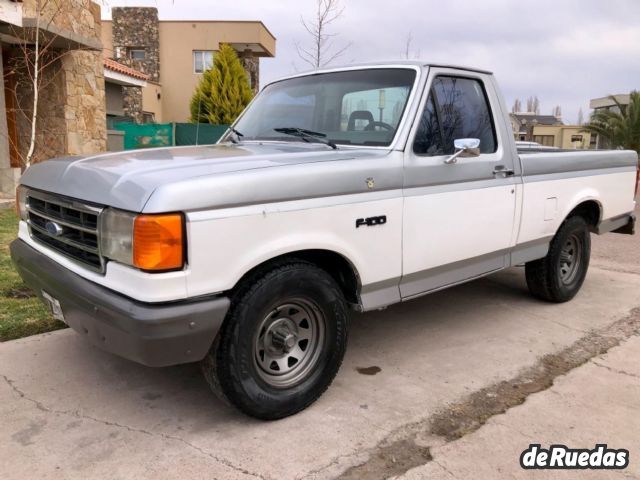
{"x":282,"y":342}
{"x":559,"y":276}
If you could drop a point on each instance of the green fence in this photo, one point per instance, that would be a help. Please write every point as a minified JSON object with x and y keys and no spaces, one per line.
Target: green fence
{"x":154,"y":135}
{"x":150,"y":135}
{"x":202,"y":134}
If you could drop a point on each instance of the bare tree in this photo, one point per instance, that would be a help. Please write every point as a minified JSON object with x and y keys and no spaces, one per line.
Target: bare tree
{"x":557,"y":111}
{"x":323,"y":49}
{"x":517,"y":106}
{"x":408,"y":53}
{"x":40,"y":5}
{"x":580,"y":117}
{"x":32,"y":70}
{"x":533,"y":105}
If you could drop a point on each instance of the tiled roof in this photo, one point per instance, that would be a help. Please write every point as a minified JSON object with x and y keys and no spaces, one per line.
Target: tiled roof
{"x":114,"y":66}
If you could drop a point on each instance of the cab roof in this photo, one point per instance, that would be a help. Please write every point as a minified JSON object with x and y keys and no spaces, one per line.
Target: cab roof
{"x":388,"y":64}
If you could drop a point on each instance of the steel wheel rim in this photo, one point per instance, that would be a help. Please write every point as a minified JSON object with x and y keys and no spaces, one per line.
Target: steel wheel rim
{"x":570,"y":259}
{"x":288,"y":342}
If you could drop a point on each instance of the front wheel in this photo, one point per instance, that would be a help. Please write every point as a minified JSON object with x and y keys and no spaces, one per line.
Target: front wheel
{"x":282,"y":342}
{"x":559,"y":276}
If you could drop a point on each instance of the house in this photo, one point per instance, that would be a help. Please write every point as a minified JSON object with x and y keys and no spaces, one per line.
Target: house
{"x":562,"y":136}
{"x":117,"y":76}
{"x":70,"y":115}
{"x":524,"y":122}
{"x":174,"y":54}
{"x":549,"y":131}
{"x":607,"y":103}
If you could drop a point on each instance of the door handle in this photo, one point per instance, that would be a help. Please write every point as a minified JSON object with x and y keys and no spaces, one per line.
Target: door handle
{"x":502,"y":170}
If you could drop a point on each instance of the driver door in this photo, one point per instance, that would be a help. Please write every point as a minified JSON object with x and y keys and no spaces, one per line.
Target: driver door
{"x":458,"y":219}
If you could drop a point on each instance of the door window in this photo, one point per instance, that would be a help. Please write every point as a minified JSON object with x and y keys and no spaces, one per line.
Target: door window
{"x":429,"y":138}
{"x":456,"y":108}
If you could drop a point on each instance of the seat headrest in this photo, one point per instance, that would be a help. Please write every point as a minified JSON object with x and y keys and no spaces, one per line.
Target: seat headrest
{"x":359,"y":115}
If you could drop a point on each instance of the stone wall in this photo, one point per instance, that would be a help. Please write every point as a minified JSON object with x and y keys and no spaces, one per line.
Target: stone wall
{"x":51,"y":136}
{"x":84,"y":102}
{"x":132,"y":103}
{"x":80,"y":17}
{"x":71,"y":107}
{"x":252,"y":66}
{"x":71,"y":117}
{"x":136,"y":28}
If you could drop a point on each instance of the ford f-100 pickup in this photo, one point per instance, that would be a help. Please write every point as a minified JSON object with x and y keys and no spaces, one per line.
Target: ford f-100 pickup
{"x":348,"y":188}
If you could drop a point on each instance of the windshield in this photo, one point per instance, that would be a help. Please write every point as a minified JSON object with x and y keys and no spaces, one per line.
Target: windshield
{"x":358,"y":107}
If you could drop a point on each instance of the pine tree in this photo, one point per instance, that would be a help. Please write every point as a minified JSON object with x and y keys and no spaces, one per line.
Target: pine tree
{"x":223,"y":91}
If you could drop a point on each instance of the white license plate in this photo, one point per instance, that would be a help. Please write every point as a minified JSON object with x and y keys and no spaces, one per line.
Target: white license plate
{"x":54,"y":306}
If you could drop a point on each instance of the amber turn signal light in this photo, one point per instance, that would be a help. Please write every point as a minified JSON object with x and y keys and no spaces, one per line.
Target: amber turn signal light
{"x":158,"y":242}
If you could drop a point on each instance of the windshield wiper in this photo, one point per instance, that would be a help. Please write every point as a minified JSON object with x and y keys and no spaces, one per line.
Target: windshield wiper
{"x":236,"y":137}
{"x":307,"y":135}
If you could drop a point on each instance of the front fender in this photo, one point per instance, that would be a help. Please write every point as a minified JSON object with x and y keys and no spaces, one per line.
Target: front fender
{"x":223,"y":250}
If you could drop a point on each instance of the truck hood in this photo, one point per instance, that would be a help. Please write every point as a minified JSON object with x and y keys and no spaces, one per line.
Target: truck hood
{"x":127,"y":180}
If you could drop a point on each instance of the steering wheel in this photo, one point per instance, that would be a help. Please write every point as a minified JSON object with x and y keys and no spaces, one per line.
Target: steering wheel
{"x":372,"y":126}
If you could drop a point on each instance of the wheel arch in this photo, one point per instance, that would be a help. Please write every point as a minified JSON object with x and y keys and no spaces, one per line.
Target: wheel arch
{"x":343,"y":270}
{"x":590,"y":209}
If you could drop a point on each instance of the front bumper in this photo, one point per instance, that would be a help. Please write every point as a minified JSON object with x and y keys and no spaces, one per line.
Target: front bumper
{"x":156,"y":335}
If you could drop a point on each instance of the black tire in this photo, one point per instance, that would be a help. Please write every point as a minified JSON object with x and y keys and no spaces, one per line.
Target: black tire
{"x":238,"y":367}
{"x":559,"y":276}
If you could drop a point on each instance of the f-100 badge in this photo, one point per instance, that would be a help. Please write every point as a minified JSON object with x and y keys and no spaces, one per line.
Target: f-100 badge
{"x":371,"y":221}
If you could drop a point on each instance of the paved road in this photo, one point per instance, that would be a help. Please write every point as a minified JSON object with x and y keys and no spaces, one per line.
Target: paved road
{"x":595,"y":403}
{"x":70,"y":411}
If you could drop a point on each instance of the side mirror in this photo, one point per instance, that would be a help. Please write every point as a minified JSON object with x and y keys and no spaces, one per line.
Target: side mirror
{"x":465,"y":147}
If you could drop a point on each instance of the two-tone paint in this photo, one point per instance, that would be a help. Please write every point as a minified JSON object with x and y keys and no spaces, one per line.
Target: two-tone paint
{"x":445,"y":223}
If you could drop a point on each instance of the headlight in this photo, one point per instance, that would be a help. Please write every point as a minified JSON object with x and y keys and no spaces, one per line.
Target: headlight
{"x":21,"y":202}
{"x":148,"y":242}
{"x":116,"y":235}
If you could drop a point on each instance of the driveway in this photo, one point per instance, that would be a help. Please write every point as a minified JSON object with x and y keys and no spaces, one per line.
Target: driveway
{"x":409,"y":386}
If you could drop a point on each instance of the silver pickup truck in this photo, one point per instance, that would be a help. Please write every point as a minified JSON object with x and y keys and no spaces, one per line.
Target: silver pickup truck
{"x":351,"y":188}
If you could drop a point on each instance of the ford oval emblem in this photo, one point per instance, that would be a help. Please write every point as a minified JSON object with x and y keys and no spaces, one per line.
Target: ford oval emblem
{"x":54,"y":229}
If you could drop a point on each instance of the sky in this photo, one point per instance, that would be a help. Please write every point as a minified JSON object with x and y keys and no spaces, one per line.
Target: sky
{"x":564,"y":51}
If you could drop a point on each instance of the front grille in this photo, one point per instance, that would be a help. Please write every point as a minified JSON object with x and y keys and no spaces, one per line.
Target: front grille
{"x":67,"y":226}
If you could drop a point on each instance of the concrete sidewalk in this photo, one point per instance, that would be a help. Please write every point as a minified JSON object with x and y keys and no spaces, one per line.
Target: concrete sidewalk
{"x":596,"y":403}
{"x":70,"y":411}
